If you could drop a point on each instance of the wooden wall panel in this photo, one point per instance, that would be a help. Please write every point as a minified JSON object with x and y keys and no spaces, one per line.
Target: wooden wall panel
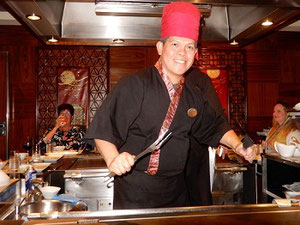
{"x":21,"y":47}
{"x":3,"y":99}
{"x":126,"y":60}
{"x":262,"y":98}
{"x":273,"y":73}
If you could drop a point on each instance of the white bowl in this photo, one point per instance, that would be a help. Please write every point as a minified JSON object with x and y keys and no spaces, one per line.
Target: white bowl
{"x":4,"y":179}
{"x":59,"y":148}
{"x":297,"y":152}
{"x":22,"y":155}
{"x":297,"y":107}
{"x":292,"y":195}
{"x":49,"y":191}
{"x":285,"y":150}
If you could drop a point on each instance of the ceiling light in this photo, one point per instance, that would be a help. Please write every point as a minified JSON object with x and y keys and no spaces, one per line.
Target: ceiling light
{"x":234,"y":42}
{"x":33,"y":17}
{"x":267,"y":23}
{"x":52,"y":39}
{"x":118,"y":41}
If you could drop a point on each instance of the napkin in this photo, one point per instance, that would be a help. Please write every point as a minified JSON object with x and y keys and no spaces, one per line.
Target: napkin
{"x":66,"y":198}
{"x":283,"y":202}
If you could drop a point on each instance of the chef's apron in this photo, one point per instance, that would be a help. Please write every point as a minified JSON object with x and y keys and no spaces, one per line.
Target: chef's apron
{"x":138,"y":189}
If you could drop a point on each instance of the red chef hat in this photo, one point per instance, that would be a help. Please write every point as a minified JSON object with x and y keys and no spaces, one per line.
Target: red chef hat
{"x":180,"y":19}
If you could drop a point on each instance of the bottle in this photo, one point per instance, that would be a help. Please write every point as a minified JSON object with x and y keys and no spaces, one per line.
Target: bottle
{"x":28,"y":144}
{"x":29,"y":175}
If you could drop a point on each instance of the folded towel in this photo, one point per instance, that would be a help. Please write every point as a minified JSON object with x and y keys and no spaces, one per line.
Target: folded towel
{"x":66,"y":198}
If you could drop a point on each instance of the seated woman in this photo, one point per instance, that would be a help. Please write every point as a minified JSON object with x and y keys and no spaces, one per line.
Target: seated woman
{"x":63,"y":133}
{"x":289,"y":130}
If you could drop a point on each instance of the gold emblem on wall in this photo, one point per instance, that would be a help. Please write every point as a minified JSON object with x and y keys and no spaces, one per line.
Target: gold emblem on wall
{"x":67,"y":77}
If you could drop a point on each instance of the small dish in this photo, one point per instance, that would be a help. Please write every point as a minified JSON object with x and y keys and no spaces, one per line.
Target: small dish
{"x":292,"y":195}
{"x":284,"y":150}
{"x":49,"y":191}
{"x":59,"y":148}
{"x":297,"y":107}
{"x":39,"y":167}
{"x":22,"y":155}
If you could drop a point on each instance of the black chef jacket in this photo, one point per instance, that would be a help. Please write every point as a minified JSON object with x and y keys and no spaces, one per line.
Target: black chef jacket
{"x":131,"y":117}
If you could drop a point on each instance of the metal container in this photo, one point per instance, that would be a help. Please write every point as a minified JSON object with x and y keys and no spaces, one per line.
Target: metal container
{"x":87,"y":179}
{"x":228,"y":185}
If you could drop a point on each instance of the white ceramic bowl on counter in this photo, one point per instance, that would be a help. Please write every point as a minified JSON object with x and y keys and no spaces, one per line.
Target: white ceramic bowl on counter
{"x":285,"y":150}
{"x":49,"y":191}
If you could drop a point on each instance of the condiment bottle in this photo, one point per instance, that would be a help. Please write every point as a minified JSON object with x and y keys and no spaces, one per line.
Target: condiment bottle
{"x":29,"y":175}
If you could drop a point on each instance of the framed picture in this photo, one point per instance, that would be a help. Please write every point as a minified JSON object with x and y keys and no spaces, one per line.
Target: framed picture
{"x":73,"y":88}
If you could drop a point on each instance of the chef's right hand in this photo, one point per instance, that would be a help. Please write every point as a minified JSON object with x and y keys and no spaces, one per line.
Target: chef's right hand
{"x":122,"y":163}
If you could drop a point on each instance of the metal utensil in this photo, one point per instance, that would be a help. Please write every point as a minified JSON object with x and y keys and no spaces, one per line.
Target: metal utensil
{"x":294,"y":139}
{"x":247,"y":141}
{"x":158,"y":143}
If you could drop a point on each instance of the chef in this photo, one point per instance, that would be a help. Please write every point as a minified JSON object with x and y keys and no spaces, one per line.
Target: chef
{"x":143,"y":105}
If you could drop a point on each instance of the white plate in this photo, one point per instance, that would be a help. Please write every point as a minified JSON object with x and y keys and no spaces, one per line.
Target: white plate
{"x":59,"y":148}
{"x":61,"y":153}
{"x":39,"y":167}
{"x":51,"y":158}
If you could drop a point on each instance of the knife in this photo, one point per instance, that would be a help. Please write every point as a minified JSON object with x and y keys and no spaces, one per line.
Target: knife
{"x":157,"y":144}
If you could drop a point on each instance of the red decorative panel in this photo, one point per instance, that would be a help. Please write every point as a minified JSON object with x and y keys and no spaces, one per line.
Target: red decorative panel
{"x":219,"y":80}
{"x":233,"y":61}
{"x":51,"y":60}
{"x":73,"y":88}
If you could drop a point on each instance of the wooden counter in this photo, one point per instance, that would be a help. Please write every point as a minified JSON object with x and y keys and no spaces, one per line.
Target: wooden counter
{"x":221,"y":215}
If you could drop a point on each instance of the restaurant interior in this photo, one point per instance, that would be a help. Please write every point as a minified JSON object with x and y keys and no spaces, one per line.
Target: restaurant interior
{"x":251,"y":65}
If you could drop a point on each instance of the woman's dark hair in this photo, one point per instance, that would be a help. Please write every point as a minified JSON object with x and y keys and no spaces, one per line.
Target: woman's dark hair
{"x":63,"y":107}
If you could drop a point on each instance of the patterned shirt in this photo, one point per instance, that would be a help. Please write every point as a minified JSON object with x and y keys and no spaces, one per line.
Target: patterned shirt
{"x":72,"y":140}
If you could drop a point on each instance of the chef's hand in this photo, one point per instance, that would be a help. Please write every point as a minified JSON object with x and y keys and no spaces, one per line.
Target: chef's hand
{"x":249,"y":154}
{"x":122,"y":163}
{"x":222,"y":151}
{"x":60,"y":121}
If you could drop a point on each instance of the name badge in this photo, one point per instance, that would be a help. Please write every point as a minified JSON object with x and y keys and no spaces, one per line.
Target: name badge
{"x":192,"y":112}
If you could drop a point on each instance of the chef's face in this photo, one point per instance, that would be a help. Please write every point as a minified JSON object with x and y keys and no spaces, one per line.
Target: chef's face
{"x":279,"y":114}
{"x":177,"y":55}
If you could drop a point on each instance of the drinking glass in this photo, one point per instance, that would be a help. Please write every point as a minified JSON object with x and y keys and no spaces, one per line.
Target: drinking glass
{"x":36,"y":154}
{"x":14,"y":162}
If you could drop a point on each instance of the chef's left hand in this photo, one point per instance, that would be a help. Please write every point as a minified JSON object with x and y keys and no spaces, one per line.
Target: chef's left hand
{"x":249,"y":154}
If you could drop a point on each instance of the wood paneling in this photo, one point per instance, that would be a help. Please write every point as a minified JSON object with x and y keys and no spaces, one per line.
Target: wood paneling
{"x":21,"y":47}
{"x":126,"y":60}
{"x":273,"y":73}
{"x":3,"y":99}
